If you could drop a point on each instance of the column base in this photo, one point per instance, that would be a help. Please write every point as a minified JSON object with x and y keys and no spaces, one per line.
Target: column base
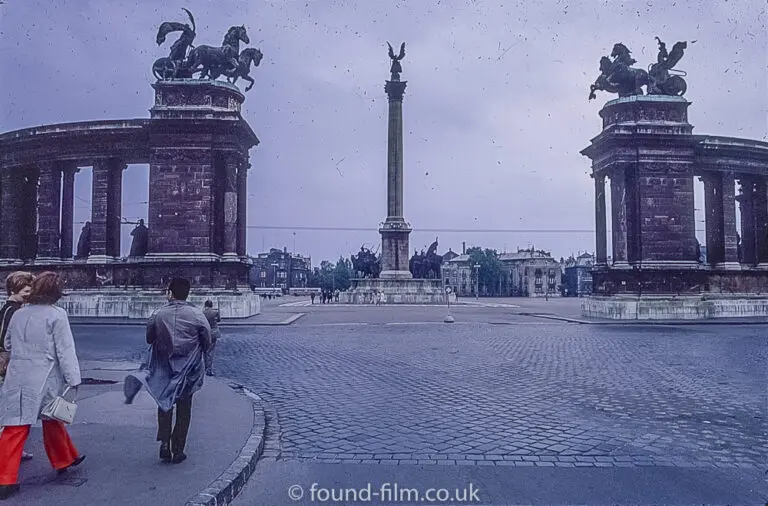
{"x":48,"y":260}
{"x":395,"y":275}
{"x":100,"y":259}
{"x":728,"y":266}
{"x":11,"y":261}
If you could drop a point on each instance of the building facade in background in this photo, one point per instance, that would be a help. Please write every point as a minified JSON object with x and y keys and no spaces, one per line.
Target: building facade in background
{"x":577,"y":275}
{"x":524,"y":273}
{"x":279,"y":269}
{"x":531,"y":273}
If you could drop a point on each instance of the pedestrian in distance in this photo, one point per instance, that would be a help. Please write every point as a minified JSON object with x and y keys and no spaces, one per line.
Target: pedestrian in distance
{"x":178,"y":334}
{"x":43,"y":366}
{"x":18,"y":286}
{"x":214,"y":317}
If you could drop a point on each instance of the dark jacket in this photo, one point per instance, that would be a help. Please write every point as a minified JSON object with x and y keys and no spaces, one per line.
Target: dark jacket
{"x":6,"y":312}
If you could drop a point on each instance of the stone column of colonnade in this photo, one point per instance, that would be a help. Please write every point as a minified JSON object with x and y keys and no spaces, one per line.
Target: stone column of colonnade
{"x":38,"y":211}
{"x":106,"y":205}
{"x":720,"y":219}
{"x":601,"y":243}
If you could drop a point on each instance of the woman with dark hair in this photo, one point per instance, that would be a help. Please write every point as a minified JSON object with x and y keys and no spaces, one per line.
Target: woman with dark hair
{"x":18,"y":286}
{"x":43,"y":364}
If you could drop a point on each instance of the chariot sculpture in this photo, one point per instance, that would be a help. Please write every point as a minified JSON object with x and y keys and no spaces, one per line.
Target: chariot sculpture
{"x":617,"y":75}
{"x":210,"y":62}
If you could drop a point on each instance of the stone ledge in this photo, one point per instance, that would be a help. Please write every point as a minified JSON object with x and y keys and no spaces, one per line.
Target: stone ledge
{"x":140,"y":305}
{"x":228,"y":485}
{"x":701,"y":307}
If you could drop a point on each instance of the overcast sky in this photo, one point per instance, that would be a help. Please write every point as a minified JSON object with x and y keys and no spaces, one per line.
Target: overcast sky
{"x":495,"y":111}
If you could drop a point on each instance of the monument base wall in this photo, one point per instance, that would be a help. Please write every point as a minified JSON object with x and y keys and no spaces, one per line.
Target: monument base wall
{"x":143,"y":273}
{"x":670,"y":307}
{"x":396,"y":291}
{"x":140,"y":304}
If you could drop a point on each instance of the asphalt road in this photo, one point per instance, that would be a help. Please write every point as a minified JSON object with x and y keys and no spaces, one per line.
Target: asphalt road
{"x":529,"y":410}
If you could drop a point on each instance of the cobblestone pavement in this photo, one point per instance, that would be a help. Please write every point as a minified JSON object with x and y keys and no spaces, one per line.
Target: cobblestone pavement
{"x":547,"y":395}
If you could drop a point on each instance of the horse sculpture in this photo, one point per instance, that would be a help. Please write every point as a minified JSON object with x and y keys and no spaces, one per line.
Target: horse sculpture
{"x":211,"y":62}
{"x":366,"y":263}
{"x":618,"y":75}
{"x":247,"y":57}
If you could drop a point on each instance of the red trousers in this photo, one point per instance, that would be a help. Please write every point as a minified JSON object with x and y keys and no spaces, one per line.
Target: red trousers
{"x":61,"y":452}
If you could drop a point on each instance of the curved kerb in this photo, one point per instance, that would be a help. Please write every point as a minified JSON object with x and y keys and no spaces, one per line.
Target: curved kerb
{"x":225,"y":488}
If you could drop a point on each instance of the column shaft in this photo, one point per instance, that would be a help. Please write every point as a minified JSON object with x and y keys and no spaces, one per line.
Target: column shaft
{"x":231,"y":164}
{"x":105,"y":207}
{"x":714,"y":217}
{"x":730,"y":234}
{"x":49,"y":209}
{"x":395,"y":160}
{"x":601,"y":240}
{"x":67,"y":209}
{"x":747,"y":205}
{"x":29,"y":215}
{"x":619,"y":215}
{"x":242,"y":207}
{"x":11,"y":202}
{"x":114,"y":207}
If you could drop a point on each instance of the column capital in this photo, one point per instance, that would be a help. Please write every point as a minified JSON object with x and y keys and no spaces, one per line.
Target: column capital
{"x":395,"y":89}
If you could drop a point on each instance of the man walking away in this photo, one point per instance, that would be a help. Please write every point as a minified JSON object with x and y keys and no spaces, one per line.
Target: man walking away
{"x":179,"y":335}
{"x":214,"y":317}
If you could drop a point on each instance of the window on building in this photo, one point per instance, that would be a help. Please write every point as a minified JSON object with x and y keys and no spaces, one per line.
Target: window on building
{"x":263,"y":274}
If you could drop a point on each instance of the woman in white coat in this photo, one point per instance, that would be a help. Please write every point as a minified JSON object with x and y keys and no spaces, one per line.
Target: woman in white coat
{"x":43,"y":364}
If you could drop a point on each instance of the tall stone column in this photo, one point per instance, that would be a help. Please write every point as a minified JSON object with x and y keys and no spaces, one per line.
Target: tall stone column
{"x":242,"y":206}
{"x":69,"y":170}
{"x":30,"y":181}
{"x":746,"y":201}
{"x":714,"y":217}
{"x":49,"y":210}
{"x":601,"y":239}
{"x":105,"y":210}
{"x":619,"y":217}
{"x":730,"y":234}
{"x":395,"y":231}
{"x":231,"y":165}
{"x":11,"y":199}
{"x":115,"y":207}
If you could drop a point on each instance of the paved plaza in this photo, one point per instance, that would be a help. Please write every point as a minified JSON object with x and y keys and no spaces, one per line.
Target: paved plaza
{"x":353,"y":391}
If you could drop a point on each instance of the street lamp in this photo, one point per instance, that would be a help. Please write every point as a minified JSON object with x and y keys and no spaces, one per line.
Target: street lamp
{"x":477,"y":280}
{"x":274,"y":276}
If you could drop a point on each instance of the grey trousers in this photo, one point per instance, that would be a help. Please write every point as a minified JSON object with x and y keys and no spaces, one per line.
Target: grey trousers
{"x":209,"y":357}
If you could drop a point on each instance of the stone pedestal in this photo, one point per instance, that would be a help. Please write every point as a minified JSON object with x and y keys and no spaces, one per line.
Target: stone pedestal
{"x":200,"y":144}
{"x":396,"y":291}
{"x":140,"y":304}
{"x":682,"y":307}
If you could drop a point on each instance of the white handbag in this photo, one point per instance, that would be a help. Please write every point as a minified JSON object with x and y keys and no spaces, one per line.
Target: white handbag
{"x":62,"y":409}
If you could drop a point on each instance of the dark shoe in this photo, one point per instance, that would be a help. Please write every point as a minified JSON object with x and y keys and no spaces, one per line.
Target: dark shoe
{"x":209,"y":373}
{"x":165,"y":452}
{"x":26,"y":456}
{"x":7,"y":491}
{"x":179,"y":458}
{"x":79,"y":460}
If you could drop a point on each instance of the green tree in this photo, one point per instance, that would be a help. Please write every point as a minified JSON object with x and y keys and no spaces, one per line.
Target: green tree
{"x":490,"y":269}
{"x":342,"y":273}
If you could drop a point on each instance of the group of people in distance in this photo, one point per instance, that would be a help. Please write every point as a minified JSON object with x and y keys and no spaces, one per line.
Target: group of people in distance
{"x":38,"y":363}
